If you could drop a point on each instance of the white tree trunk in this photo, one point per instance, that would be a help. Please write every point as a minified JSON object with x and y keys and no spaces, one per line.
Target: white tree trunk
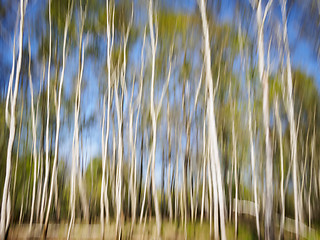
{"x":46,"y":179}
{"x":176,"y":196}
{"x":234,"y":146}
{"x":153,"y":119}
{"x":34,"y":137}
{"x":311,"y":174}
{"x":263,"y":75}
{"x":213,"y":143}
{"x":17,"y":156}
{"x":253,"y":164}
{"x":55,"y":160}
{"x":169,"y":162}
{"x":291,"y":119}
{"x":5,"y":206}
{"x":204,"y":167}
{"x":282,"y":195}
{"x":105,"y":138}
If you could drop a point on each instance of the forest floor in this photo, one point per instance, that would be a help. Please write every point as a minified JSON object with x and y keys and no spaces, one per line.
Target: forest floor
{"x":170,"y":231}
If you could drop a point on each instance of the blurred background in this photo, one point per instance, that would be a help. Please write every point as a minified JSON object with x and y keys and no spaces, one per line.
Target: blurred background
{"x":159,"y":119}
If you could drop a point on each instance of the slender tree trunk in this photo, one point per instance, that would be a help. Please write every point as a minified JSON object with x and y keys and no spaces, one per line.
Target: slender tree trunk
{"x":105,"y":142}
{"x":132,"y":184}
{"x":34,"y":137}
{"x":17,"y":157}
{"x":82,"y":46}
{"x":176,"y":194}
{"x":291,"y":119}
{"x":253,"y":164}
{"x":311,"y":175}
{"x":5,"y":206}
{"x":211,"y":200}
{"x":133,"y":174}
{"x":282,"y":195}
{"x":234,"y":146}
{"x":41,"y":145}
{"x":141,"y":171}
{"x":213,"y":143}
{"x":145,"y":189}
{"x":169,"y":162}
{"x":263,"y":75}
{"x":153,"y":117}
{"x":58,"y":105}
{"x":204,"y":167}
{"x":119,"y":165}
{"x":46,"y":178}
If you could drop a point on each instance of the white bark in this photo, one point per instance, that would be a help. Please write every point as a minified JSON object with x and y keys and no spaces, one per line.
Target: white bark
{"x":153,"y":43}
{"x":105,"y":136}
{"x":132,"y":185}
{"x":234,"y":147}
{"x":118,"y":105}
{"x":291,"y":119}
{"x":169,"y":162}
{"x":58,"y":106}
{"x":253,"y":163}
{"x":263,"y":75}
{"x":311,"y":174}
{"x":75,"y":171}
{"x":204,"y":167}
{"x":34,"y":138}
{"x":18,"y":149}
{"x":132,"y":139}
{"x":176,"y":209}
{"x":5,"y":206}
{"x":145,"y":189}
{"x":119,"y":165}
{"x":282,"y":195}
{"x":154,"y":115}
{"x":213,"y":144}
{"x":40,"y":153}
{"x":46,"y":179}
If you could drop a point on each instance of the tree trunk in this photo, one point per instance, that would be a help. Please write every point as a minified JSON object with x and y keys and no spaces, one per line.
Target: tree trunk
{"x":291,"y":119}
{"x":213,"y":143}
{"x":234,"y":146}
{"x":17,"y":157}
{"x":263,"y":75}
{"x":169,"y":162}
{"x":58,"y":105}
{"x":5,"y":206}
{"x":34,"y":137}
{"x":204,"y":167}
{"x":253,"y":164}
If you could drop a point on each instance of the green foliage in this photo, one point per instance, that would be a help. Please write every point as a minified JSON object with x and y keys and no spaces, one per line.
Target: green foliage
{"x":4,"y":134}
{"x":93,"y":176}
{"x":174,"y":23}
{"x":305,"y":93}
